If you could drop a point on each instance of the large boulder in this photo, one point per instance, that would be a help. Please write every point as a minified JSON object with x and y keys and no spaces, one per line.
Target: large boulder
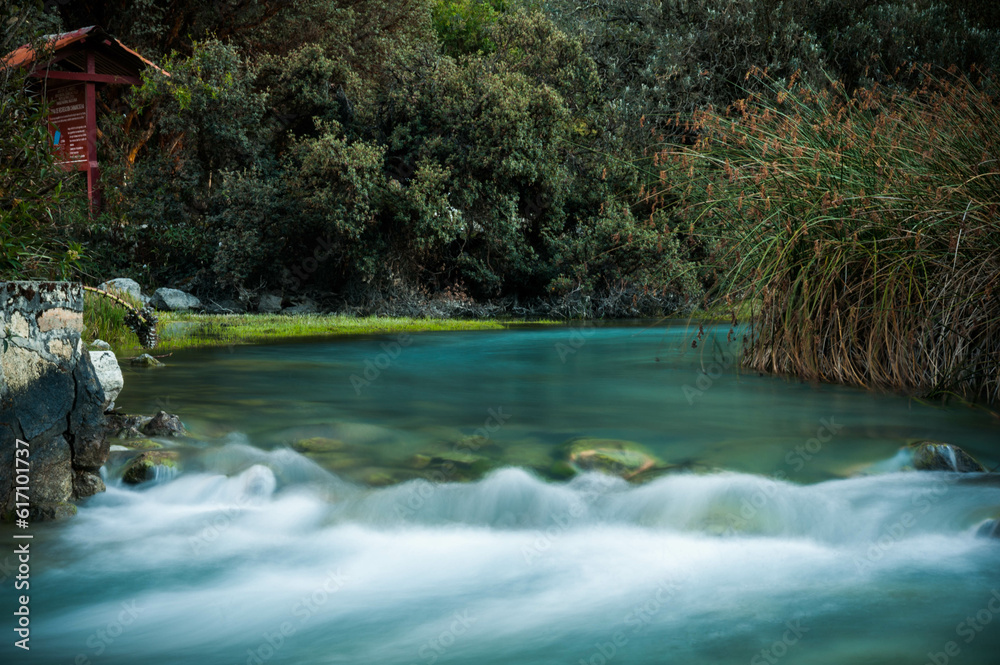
{"x":124,"y":285}
{"x":933,"y":456}
{"x":174,"y":300}
{"x":109,"y":375}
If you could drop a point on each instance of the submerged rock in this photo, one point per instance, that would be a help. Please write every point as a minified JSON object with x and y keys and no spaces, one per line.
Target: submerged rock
{"x":989,"y":529}
{"x":319,"y":444}
{"x":145,"y":360}
{"x":626,"y":459}
{"x":932,"y":456}
{"x":143,"y":467}
{"x":164,"y":424}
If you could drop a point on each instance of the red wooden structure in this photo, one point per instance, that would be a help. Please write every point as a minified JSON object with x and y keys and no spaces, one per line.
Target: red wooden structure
{"x":73,"y":65}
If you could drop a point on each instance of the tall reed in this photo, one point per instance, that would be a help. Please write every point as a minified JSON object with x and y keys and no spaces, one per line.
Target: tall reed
{"x":863,"y":227}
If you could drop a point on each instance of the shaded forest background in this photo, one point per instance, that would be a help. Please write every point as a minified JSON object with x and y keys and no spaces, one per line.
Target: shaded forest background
{"x":377,"y":153}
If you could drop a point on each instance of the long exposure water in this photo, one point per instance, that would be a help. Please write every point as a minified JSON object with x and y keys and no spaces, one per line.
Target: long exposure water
{"x":406,"y":500}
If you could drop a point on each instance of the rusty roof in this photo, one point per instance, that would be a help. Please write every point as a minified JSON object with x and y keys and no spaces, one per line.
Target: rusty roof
{"x":111,"y":56}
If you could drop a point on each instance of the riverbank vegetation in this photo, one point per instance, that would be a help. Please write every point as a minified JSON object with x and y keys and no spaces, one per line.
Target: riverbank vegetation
{"x":182,"y":330}
{"x":613,"y":158}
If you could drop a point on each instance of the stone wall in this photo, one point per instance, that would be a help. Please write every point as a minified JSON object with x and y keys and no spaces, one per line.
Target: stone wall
{"x":50,"y":397}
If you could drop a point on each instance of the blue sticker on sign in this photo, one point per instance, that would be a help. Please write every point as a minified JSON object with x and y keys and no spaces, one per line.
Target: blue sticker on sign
{"x":56,"y":141}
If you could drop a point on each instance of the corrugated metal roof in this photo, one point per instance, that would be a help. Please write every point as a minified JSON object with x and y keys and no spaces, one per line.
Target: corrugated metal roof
{"x":110,"y":55}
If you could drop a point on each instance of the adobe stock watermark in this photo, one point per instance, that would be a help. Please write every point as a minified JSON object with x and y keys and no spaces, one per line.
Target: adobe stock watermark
{"x":421,"y":492}
{"x":796,"y":458}
{"x":219,"y":523}
{"x":779,"y":648}
{"x":633,"y":623}
{"x":293,"y":278}
{"x":377,"y":364}
{"x":577,"y":338}
{"x":922,"y":503}
{"x":435,"y":647}
{"x":709,"y":375}
{"x":968,"y":629}
{"x":100,"y":640}
{"x":304,"y":609}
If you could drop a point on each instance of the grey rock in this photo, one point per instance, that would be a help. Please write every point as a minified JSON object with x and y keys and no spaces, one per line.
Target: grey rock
{"x":933,"y":456}
{"x":224,"y":307}
{"x":307,"y":306}
{"x":269,"y":304}
{"x":145,"y":360}
{"x":86,"y":483}
{"x":99,"y":345}
{"x":86,"y":419}
{"x":51,"y":472}
{"x":164,"y":424}
{"x":173,"y":300}
{"x":124,"y":426}
{"x":124,"y":285}
{"x":109,"y":375}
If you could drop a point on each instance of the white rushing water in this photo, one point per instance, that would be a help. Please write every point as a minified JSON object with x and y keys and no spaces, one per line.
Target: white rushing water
{"x":263,"y":557}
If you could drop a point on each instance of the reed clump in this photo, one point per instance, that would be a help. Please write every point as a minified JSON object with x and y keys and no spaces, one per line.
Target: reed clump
{"x":864,"y":228}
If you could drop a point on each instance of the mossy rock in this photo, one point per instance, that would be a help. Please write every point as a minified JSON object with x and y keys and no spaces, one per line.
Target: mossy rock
{"x":143,"y":467}
{"x":378,"y":476}
{"x":139,"y":444}
{"x":616,"y":457}
{"x":336,"y":462}
{"x":934,"y":456}
{"x":560,"y":470}
{"x":319,"y":444}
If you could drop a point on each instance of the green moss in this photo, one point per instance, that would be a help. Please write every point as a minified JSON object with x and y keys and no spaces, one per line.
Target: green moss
{"x":319,"y":444}
{"x":616,"y":457}
{"x":140,"y":468}
{"x":186,"y":330}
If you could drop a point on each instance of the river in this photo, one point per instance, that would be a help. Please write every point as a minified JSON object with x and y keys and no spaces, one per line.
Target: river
{"x":437,"y":522}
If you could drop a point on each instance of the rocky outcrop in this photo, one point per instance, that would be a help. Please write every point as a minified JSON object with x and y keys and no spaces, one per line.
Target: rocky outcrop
{"x":174,"y":300}
{"x":50,"y":397}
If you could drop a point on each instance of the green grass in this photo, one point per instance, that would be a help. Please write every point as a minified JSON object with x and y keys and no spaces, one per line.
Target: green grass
{"x":183,"y":331}
{"x":864,"y":227}
{"x":105,"y":319}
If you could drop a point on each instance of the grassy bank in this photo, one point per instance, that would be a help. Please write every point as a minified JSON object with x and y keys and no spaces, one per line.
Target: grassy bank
{"x":187,"y":330}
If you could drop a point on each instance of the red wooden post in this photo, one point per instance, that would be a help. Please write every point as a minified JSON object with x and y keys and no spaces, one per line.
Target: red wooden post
{"x":92,"y":172}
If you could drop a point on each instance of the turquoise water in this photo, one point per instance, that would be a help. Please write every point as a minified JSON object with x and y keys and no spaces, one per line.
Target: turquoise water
{"x":774,"y":528}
